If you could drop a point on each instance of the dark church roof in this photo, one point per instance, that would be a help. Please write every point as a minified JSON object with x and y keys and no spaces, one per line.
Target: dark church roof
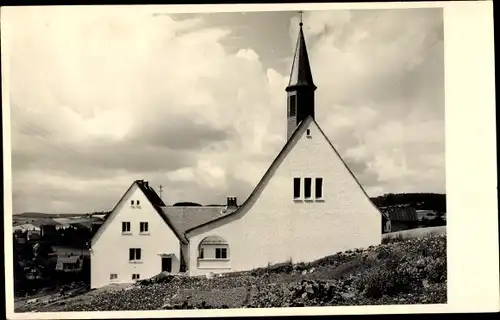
{"x":301,"y":74}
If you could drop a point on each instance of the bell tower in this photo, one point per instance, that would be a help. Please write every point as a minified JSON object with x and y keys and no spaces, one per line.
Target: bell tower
{"x":301,"y":88}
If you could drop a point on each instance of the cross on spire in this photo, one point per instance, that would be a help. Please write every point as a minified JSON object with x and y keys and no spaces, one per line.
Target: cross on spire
{"x":301,"y":13}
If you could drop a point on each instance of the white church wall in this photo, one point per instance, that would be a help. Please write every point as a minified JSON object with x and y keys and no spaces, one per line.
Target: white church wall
{"x":275,"y":227}
{"x":110,"y":250}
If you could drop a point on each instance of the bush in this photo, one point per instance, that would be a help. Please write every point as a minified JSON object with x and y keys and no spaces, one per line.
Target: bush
{"x":391,"y":239}
{"x":389,"y":280}
{"x":436,"y":270}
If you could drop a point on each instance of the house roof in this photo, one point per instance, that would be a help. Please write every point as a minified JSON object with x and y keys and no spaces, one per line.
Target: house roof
{"x":155,"y":201}
{"x":72,"y":220}
{"x":44,"y":222}
{"x":68,"y":259}
{"x":275,"y":164}
{"x":178,"y":218}
{"x":26,"y":226}
{"x":214,"y":240}
{"x":61,"y":260}
{"x":187,"y":217}
{"x":158,"y":205}
{"x":400,"y":213}
{"x":150,"y":193}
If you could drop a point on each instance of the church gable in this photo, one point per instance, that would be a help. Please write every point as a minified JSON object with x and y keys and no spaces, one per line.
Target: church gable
{"x":319,"y":172}
{"x":307,"y":205}
{"x":308,"y":169}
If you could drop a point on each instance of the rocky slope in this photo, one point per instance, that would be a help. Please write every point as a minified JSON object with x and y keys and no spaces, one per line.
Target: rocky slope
{"x":403,"y":272}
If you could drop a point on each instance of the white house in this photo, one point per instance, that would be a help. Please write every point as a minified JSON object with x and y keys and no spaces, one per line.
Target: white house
{"x":142,"y":236}
{"x":306,"y":206}
{"x":134,"y":241}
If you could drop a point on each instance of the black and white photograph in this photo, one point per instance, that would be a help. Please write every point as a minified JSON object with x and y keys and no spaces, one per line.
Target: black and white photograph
{"x":226,"y":159}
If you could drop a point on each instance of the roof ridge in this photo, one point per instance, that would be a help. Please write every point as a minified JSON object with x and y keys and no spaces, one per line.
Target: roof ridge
{"x":148,"y":193}
{"x":348,"y":169}
{"x":309,"y":119}
{"x":302,"y":124}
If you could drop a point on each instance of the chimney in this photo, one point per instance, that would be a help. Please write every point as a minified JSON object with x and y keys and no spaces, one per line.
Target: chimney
{"x":231,"y":202}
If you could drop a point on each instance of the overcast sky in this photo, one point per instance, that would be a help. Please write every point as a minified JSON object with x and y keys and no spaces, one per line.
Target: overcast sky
{"x":101,"y":97}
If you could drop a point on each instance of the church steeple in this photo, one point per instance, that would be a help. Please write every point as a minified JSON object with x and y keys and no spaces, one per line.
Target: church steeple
{"x":301,"y":88}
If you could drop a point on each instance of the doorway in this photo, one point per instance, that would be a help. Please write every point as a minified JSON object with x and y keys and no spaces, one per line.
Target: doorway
{"x":166,"y":264}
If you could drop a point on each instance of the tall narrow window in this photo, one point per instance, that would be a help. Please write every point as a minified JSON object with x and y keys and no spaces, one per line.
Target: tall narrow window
{"x":307,"y":187}
{"x":201,"y":255}
{"x":134,"y":254}
{"x":138,"y":202}
{"x":144,"y":227}
{"x":292,"y":104}
{"x":132,"y":202}
{"x":125,"y":226}
{"x":319,"y":188}
{"x":296,"y":188}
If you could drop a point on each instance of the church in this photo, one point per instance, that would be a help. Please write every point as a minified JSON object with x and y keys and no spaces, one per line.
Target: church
{"x":307,"y":205}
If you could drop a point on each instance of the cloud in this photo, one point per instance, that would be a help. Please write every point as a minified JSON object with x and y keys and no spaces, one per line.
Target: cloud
{"x":384,"y":107}
{"x":101,"y":97}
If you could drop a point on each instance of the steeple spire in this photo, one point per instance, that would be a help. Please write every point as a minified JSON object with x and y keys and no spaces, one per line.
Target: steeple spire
{"x":301,"y":86}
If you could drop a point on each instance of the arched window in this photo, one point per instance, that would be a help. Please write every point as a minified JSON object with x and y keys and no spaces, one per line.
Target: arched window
{"x":213,"y":247}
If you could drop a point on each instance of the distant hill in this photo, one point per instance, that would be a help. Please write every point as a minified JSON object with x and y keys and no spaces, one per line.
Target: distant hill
{"x":187,"y":204}
{"x":47,"y":215}
{"x":420,"y":201}
{"x":41,"y":215}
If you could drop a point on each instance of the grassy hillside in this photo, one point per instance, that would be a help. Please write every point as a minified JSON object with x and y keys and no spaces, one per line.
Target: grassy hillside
{"x":401,"y":272}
